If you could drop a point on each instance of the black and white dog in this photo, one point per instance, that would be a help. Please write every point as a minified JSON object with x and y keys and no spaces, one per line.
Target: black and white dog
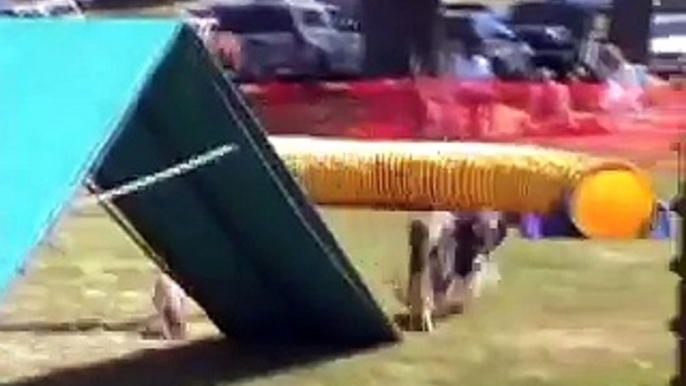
{"x":450,"y":259}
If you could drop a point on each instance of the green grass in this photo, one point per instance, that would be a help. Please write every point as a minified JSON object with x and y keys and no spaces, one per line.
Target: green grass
{"x":566,"y":313}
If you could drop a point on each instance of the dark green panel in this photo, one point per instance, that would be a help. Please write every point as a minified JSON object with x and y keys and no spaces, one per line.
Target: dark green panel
{"x":240,"y":233}
{"x":175,"y":221}
{"x":243,"y":113}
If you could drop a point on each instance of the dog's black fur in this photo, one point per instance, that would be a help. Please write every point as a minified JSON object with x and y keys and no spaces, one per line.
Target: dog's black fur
{"x":474,"y":235}
{"x":468,"y":234}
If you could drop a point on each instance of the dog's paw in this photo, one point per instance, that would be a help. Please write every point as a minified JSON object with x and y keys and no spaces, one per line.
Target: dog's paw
{"x":476,"y":289}
{"x":420,"y":323}
{"x":427,"y":323}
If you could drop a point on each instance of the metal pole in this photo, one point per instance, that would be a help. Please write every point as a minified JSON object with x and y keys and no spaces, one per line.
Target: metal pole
{"x":678,"y":266}
{"x":152,"y":179}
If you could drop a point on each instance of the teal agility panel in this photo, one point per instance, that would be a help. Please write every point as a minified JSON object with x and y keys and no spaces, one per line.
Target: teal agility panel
{"x":239,"y":234}
{"x":64,"y":88}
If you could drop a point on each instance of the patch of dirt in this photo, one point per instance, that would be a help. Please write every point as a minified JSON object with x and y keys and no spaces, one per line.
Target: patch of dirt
{"x":574,"y":340}
{"x":568,"y":345}
{"x":615,"y":256}
{"x":538,"y":373}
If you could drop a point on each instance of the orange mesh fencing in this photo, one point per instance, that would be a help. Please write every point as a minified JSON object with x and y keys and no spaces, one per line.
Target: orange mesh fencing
{"x":576,"y":114}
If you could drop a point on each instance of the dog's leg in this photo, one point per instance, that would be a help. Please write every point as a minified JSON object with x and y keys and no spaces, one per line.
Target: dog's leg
{"x":427,"y":298}
{"x":420,"y":289}
{"x":476,"y":281}
{"x":427,"y":319}
{"x":170,"y":302}
{"x":491,"y":274}
{"x":496,"y":231}
{"x":420,"y":305}
{"x":473,"y":282}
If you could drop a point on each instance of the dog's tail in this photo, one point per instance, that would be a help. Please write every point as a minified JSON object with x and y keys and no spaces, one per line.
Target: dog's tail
{"x":418,"y":237}
{"x":419,"y":233}
{"x":419,"y":240}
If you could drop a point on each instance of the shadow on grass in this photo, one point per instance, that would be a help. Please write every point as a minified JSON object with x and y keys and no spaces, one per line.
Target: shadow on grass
{"x":83,"y":325}
{"x":206,"y":362}
{"x":48,"y":328}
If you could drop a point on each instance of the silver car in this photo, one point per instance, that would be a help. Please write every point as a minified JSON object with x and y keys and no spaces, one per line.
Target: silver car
{"x":283,"y":38}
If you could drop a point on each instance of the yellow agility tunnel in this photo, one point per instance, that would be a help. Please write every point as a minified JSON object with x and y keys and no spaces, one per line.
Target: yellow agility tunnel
{"x":606,"y":197}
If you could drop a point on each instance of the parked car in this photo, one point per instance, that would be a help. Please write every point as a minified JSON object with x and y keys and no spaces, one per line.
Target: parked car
{"x":281,"y":38}
{"x":510,"y":56}
{"x":46,"y":8}
{"x":668,"y":45}
{"x":348,"y":58}
{"x":60,"y":8}
{"x":6,"y":8}
{"x":554,"y":46}
{"x":561,"y":33}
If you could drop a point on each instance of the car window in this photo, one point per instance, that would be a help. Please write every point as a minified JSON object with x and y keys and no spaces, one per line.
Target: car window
{"x":313,"y":18}
{"x":259,"y":19}
{"x":342,"y":23}
{"x":29,"y":13}
{"x":348,"y":25}
{"x":62,"y":10}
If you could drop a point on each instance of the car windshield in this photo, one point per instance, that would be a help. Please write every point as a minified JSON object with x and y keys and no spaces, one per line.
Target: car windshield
{"x":62,"y":10}
{"x":666,"y":27}
{"x":342,"y":23}
{"x":467,"y":7}
{"x":200,"y":12}
{"x":546,"y":37}
{"x":487,"y":25}
{"x":255,"y":19}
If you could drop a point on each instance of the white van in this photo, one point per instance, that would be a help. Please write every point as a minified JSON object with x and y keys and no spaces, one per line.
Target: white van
{"x":201,"y":21}
{"x":48,"y":8}
{"x":61,"y":8}
{"x":287,"y":38}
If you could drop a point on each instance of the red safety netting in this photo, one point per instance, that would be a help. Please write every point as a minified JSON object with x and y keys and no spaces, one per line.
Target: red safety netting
{"x":578,"y":115}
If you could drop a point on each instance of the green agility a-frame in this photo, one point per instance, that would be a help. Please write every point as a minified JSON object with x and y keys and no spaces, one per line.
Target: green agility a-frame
{"x":119,"y":99}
